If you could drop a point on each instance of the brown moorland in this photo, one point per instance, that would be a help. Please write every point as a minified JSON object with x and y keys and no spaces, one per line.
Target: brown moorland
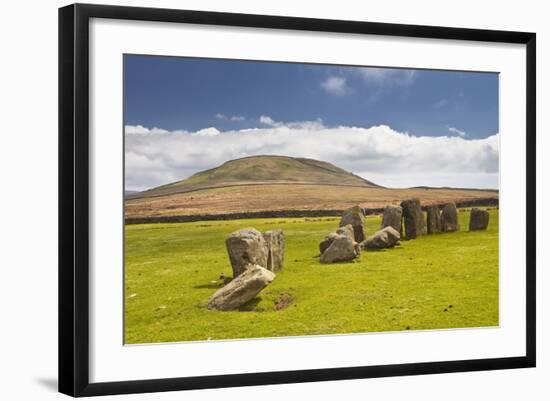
{"x":279,"y":183}
{"x":276,"y":197}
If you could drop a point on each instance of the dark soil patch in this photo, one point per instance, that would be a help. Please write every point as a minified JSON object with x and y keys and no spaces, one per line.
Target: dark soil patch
{"x":284,"y":301}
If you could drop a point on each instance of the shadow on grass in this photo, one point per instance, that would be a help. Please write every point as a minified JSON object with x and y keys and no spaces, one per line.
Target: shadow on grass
{"x":318,"y":256}
{"x":392,"y":249}
{"x":250,"y":306}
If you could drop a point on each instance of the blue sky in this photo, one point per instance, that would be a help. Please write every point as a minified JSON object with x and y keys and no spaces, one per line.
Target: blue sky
{"x":187,"y":94}
{"x":396,"y":127}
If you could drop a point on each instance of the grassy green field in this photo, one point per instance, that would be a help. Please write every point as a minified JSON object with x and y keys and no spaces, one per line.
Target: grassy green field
{"x":437,"y":281}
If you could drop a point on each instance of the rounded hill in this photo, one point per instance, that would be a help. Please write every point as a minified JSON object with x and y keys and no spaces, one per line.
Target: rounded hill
{"x":258,"y":170}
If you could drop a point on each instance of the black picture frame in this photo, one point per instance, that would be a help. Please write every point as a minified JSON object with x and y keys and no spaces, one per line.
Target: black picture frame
{"x":74,"y":198}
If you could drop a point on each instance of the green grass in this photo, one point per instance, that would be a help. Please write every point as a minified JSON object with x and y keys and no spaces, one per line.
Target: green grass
{"x":437,"y":281}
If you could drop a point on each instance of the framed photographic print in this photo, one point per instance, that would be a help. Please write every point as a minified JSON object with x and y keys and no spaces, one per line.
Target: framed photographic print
{"x":250,"y":199}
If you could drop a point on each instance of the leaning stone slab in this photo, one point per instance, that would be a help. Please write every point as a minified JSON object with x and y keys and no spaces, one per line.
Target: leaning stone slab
{"x":385,"y":238}
{"x":241,"y":289}
{"x":275,"y":242}
{"x":413,"y":217}
{"x":479,"y":219}
{"x":449,"y":218}
{"x":342,"y":249}
{"x":356,"y":218}
{"x":434,"y":219}
{"x":393,"y":218}
{"x":246,"y":247}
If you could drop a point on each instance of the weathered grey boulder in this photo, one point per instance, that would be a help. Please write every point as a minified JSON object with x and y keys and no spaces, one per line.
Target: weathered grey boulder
{"x":325,"y":243}
{"x":341,"y":249}
{"x":275,"y":242}
{"x":385,"y":238}
{"x":347,"y":230}
{"x":434,"y":219}
{"x":449,"y":218}
{"x":392,"y":217}
{"x":356,"y":218}
{"x":241,"y":289}
{"x":413,"y":218}
{"x":479,"y":219}
{"x":246,"y":247}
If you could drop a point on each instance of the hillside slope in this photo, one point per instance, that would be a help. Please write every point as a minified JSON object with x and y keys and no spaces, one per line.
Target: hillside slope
{"x":258,"y":170}
{"x":278,"y":183}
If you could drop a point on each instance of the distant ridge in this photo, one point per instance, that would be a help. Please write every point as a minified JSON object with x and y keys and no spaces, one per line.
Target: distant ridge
{"x":262,"y":170}
{"x":457,"y":188}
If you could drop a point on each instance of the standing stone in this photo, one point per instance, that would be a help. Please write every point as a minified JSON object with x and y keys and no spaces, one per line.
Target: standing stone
{"x":241,"y":289}
{"x":356,"y":218}
{"x":275,"y":242}
{"x":434,"y":219}
{"x":246,"y":247}
{"x":341,"y":249}
{"x":449,"y":218}
{"x":384,"y":238}
{"x":479,"y":219}
{"x":392,"y":217}
{"x":413,"y":217}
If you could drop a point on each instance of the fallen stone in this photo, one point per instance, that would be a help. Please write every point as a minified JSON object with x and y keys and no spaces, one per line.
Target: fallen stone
{"x":434,"y":219}
{"x":479,"y":219}
{"x":385,"y":238}
{"x":449,"y":218}
{"x":275,"y":242}
{"x":241,"y":289}
{"x":342,"y":249}
{"x":392,"y":217}
{"x":356,"y":218}
{"x":413,"y":217}
{"x":246,"y":247}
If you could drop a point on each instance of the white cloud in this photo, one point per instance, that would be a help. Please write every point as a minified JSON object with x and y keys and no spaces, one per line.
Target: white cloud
{"x":336,"y":86}
{"x":387,"y":76}
{"x":378,"y":153}
{"x":139,"y":129}
{"x":460,"y":133}
{"x":378,"y":81}
{"x":221,"y":116}
{"x":266,"y":120}
{"x":310,"y":125}
{"x":211,"y":131}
